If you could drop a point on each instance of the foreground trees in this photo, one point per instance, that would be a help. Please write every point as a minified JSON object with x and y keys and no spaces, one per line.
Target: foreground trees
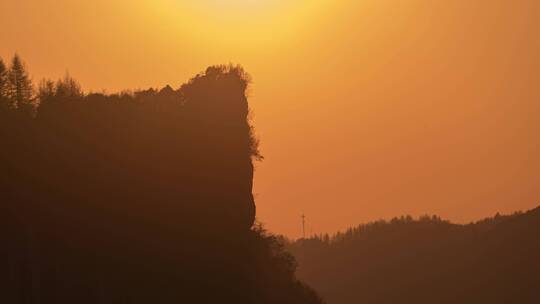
{"x":136,"y":198}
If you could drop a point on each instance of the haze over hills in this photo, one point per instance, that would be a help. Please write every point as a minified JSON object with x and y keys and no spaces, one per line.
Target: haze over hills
{"x":146,"y":197}
{"x":163,"y":178}
{"x":426,"y":260}
{"x":384,"y":107}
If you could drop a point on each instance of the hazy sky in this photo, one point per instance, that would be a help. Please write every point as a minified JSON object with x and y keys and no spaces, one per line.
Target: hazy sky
{"x":366,"y":109}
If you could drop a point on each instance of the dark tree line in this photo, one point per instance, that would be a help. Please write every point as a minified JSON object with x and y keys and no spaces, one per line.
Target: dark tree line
{"x":426,"y":260}
{"x":142,"y":197}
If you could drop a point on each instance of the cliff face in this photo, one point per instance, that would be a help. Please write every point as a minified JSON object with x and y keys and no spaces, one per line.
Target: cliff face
{"x":216,"y":107}
{"x":137,"y":198}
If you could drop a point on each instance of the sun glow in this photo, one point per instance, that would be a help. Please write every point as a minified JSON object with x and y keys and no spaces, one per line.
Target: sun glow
{"x":240,"y":22}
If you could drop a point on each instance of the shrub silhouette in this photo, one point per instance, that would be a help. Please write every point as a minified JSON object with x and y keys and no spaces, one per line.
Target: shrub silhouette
{"x":141,"y":197}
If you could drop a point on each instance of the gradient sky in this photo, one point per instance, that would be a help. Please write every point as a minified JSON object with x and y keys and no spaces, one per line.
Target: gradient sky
{"x":366,"y":109}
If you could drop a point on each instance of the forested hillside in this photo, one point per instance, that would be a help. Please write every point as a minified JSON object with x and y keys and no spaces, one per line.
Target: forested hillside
{"x":426,"y":260}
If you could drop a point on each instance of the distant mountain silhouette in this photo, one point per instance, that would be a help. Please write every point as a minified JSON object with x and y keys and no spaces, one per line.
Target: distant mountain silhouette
{"x":496,"y":260}
{"x":141,"y":197}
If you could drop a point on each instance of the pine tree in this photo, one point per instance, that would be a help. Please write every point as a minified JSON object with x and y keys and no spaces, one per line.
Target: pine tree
{"x":45,"y":95}
{"x":20,"y":86}
{"x":4,"y":100}
{"x":68,"y":87}
{"x":46,"y":89}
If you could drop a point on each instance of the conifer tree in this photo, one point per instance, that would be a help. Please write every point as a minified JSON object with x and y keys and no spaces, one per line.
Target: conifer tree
{"x":19,"y":86}
{"x":4,"y":101}
{"x":68,"y":87}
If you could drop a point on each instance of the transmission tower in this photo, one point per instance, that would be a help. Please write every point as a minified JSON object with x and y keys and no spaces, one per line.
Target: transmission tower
{"x":303,"y":226}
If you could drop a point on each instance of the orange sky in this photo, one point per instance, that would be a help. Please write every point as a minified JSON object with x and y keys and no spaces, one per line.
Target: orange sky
{"x":366,"y":109}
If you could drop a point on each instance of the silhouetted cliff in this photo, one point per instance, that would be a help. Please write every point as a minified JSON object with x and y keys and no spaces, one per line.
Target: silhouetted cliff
{"x":426,"y":261}
{"x":141,"y":197}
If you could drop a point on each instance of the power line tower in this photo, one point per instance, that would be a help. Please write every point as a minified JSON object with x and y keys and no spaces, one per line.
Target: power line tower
{"x":303,"y":226}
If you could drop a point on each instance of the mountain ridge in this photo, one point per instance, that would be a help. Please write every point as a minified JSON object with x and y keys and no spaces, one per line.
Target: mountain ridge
{"x":426,"y":260}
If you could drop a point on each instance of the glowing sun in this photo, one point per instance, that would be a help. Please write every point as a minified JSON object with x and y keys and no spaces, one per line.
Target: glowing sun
{"x":241,"y":21}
